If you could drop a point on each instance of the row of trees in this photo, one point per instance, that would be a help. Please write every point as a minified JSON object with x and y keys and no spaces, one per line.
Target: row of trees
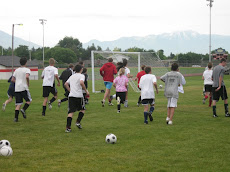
{"x":69,"y":50}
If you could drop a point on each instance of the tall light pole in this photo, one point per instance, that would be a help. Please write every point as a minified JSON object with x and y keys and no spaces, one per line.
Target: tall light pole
{"x":13,"y":46}
{"x":43,"y":21}
{"x":210,"y":5}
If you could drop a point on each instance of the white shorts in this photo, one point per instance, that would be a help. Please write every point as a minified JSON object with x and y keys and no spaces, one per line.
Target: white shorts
{"x":172,"y":102}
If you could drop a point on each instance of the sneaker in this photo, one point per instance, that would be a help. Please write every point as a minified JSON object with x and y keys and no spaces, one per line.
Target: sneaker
{"x":68,"y":130}
{"x":50,"y":106}
{"x":227,"y":115}
{"x":118,"y":100}
{"x":3,"y":106}
{"x":126,"y":104}
{"x":43,"y":114}
{"x":167,"y":119}
{"x":118,"y":111}
{"x":150,"y":117}
{"x":78,"y":125}
{"x":215,"y":116}
{"x":103,"y":103}
{"x":146,"y":122}
{"x":203,"y":101}
{"x":59,"y":103}
{"x":15,"y":119}
{"x":23,"y":113}
{"x":170,"y":123}
{"x":110,"y":104}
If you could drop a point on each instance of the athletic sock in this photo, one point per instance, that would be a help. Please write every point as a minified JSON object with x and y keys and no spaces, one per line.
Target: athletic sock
{"x":16,"y":113}
{"x":52,"y":100}
{"x":226,"y":108}
{"x":146,"y":116}
{"x":64,"y":99}
{"x":119,"y":107}
{"x":25,"y":106}
{"x":151,"y":109}
{"x":214,"y":110}
{"x":80,"y":116}
{"x":43,"y":109}
{"x":205,"y":97}
{"x":69,"y":121}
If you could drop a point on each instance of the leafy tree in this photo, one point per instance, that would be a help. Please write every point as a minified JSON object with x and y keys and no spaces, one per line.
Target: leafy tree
{"x":117,"y":49}
{"x":22,"y":51}
{"x":62,"y":55}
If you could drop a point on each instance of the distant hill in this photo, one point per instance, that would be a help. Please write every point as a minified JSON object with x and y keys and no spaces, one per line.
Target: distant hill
{"x":6,"y":41}
{"x":176,"y":42}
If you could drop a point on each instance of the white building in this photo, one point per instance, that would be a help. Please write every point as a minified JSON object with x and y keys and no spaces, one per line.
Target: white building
{"x":6,"y":67}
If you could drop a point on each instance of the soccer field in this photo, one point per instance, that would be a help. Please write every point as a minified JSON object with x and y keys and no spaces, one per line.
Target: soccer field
{"x":195,"y":142}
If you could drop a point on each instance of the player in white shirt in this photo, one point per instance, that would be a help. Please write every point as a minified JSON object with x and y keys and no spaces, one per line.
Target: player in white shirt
{"x":147,"y":82}
{"x":128,"y":75}
{"x":21,"y":79}
{"x":48,"y":75}
{"x":207,"y":77}
{"x":75,"y":85}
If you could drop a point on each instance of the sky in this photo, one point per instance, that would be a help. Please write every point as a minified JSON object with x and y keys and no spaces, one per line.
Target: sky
{"x":107,"y":20}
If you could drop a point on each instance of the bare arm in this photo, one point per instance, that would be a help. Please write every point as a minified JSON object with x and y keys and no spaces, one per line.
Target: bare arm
{"x":67,"y":86}
{"x":203,"y":77}
{"x":220,"y":81}
{"x":57,"y":78}
{"x":13,"y":79}
{"x":83,"y":87}
{"x":155,"y":85}
{"x":28,"y":79}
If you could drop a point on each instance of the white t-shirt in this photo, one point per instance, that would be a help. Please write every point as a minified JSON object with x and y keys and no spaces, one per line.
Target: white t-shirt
{"x":75,"y":86}
{"x":127,"y":71}
{"x":48,"y":73}
{"x":20,"y":76}
{"x":208,"y":77}
{"x":146,"y":85}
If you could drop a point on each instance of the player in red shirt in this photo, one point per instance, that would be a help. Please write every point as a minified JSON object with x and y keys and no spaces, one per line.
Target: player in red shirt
{"x":138,"y":77}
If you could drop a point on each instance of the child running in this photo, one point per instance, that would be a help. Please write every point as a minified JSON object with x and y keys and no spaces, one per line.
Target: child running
{"x":10,"y":93}
{"x":147,"y":82}
{"x":120,"y":83}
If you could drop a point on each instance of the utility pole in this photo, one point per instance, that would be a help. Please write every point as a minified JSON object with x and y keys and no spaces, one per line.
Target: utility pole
{"x":43,"y":21}
{"x":210,"y":5}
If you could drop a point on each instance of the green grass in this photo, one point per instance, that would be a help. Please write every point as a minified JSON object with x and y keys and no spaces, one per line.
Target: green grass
{"x":195,"y":142}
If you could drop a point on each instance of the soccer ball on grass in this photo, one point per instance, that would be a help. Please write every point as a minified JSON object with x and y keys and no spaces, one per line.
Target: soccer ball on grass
{"x":160,"y":86}
{"x":111,"y":138}
{"x":4,"y":143}
{"x":6,"y":151}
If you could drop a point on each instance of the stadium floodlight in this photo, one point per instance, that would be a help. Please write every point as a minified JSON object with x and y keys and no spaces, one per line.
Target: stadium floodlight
{"x":210,"y":5}
{"x":43,"y":21}
{"x":13,"y":46}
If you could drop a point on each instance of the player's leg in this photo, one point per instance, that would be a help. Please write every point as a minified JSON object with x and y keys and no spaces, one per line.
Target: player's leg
{"x":28,"y":99}
{"x":126,"y":98}
{"x":72,"y":106}
{"x":7,"y":102}
{"x":118,"y":102}
{"x":210,"y":99}
{"x":19,"y":102}
{"x":151,"y":109}
{"x":81,"y":108}
{"x":146,"y":108}
{"x":225,"y":98}
{"x":216,"y":97}
{"x":172,"y":110}
{"x":54,"y":92}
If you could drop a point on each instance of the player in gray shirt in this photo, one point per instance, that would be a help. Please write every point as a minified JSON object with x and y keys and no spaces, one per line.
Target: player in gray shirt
{"x":172,"y":80}
{"x":218,"y":87}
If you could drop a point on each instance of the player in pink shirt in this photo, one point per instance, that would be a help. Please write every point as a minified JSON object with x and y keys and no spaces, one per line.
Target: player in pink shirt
{"x":120,"y":83}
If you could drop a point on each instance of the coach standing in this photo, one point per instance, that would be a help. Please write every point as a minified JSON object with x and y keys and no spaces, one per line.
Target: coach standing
{"x":218,"y":87}
{"x":107,"y":71}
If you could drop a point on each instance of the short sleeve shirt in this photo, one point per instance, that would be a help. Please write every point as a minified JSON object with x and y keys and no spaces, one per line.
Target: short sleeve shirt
{"x":20,"y":76}
{"x":172,"y":80}
{"x":75,"y":86}
{"x":208,"y":77}
{"x":147,"y":86}
{"x":120,"y":82}
{"x":48,"y":73}
{"x":217,"y":72}
{"x":127,"y":71}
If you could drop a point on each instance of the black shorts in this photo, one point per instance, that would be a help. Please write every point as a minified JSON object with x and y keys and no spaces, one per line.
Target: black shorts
{"x":76,"y":104}
{"x":47,"y":90}
{"x":208,"y":88}
{"x":19,"y":96}
{"x":221,"y":93}
{"x":148,"y":101}
{"x":121,"y":95}
{"x":11,"y":93}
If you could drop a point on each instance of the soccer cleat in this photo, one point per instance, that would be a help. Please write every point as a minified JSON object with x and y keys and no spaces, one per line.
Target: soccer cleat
{"x":126,"y":104}
{"x":170,"y":123}
{"x":103,"y":103}
{"x":150,"y":117}
{"x":118,"y":111}
{"x":43,"y":114}
{"x":227,"y":115}
{"x":23,"y":113}
{"x":50,"y":106}
{"x":3,"y":106}
{"x":145,"y":122}
{"x":15,"y":119}
{"x":215,"y":116}
{"x":78,"y":125}
{"x":68,"y":130}
{"x":110,"y":104}
{"x":167,"y":119}
{"x":59,"y":102}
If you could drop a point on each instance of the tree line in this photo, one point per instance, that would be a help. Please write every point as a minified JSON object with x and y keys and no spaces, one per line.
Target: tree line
{"x":70,"y":50}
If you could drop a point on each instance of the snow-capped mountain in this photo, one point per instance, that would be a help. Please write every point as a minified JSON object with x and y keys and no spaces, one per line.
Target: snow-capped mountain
{"x":176,"y":42}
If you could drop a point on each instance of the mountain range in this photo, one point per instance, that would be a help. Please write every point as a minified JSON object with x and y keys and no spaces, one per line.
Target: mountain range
{"x":176,"y":42}
{"x":6,"y":41}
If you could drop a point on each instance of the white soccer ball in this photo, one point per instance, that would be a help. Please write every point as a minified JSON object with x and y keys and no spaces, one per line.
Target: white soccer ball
{"x":160,"y":86}
{"x":4,"y":143}
{"x":111,"y":138}
{"x":6,"y":151}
